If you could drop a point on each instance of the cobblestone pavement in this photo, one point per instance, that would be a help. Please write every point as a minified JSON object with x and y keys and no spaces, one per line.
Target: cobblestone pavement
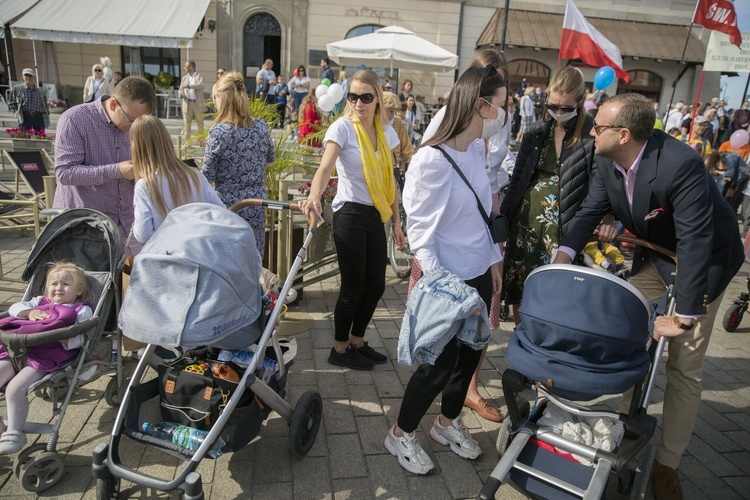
{"x":348,"y":459}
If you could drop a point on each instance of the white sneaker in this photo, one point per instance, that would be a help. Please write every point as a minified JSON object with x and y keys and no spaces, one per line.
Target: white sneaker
{"x":457,"y":436}
{"x":409,"y":452}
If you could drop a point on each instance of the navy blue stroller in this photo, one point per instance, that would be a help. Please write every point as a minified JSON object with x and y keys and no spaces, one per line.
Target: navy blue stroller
{"x":566,"y":350}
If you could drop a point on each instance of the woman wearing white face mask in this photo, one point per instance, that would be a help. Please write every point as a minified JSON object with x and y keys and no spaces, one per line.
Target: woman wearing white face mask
{"x":549,"y":182}
{"x":448,"y":233}
{"x":497,"y":158}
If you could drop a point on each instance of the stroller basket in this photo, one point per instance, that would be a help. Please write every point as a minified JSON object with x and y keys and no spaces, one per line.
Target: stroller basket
{"x":582,"y":334}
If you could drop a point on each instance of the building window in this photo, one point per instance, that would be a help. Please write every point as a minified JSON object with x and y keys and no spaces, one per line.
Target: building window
{"x":365,"y":29}
{"x":532,"y":72}
{"x":642,"y":82}
{"x":154,"y":60}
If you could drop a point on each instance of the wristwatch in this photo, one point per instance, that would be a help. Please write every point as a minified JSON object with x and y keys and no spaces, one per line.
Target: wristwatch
{"x":679,"y":324}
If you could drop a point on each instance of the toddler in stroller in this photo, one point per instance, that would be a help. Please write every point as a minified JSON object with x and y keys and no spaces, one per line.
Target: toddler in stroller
{"x":90,"y":241}
{"x":63,"y":304}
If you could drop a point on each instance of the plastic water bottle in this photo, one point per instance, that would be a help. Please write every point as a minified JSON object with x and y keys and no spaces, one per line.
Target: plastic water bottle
{"x":245,"y":357}
{"x":182,"y":435}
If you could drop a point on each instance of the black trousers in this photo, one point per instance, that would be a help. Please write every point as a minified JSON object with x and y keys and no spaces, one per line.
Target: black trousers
{"x":450,"y":374}
{"x":360,"y":240}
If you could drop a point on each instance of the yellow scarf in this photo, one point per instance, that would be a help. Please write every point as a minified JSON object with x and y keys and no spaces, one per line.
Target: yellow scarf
{"x":378,"y":170}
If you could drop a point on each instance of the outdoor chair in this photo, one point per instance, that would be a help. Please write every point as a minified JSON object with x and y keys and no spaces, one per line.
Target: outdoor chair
{"x":18,"y":213}
{"x":30,"y":170}
{"x":174,"y":102}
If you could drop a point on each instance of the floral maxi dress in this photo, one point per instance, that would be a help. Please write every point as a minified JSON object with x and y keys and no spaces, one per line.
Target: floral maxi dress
{"x":535,"y":231}
{"x":235,"y":162}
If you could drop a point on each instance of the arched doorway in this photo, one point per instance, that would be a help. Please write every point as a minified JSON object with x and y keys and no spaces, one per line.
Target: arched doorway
{"x":535,"y":73}
{"x":261,"y":40}
{"x":642,"y":82}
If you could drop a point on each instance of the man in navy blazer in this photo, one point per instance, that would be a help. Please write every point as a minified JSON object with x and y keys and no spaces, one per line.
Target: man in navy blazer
{"x":660,"y":189}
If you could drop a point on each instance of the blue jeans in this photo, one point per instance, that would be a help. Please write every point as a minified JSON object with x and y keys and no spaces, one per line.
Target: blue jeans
{"x":33,"y":121}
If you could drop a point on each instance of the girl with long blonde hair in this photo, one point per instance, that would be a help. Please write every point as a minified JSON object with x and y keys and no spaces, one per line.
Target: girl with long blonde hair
{"x":239,"y":148}
{"x":163,"y":181}
{"x":360,"y":145}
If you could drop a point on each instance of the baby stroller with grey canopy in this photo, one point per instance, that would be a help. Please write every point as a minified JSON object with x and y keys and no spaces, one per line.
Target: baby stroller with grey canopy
{"x":196,"y":283}
{"x":90,"y":240}
{"x":566,"y":351}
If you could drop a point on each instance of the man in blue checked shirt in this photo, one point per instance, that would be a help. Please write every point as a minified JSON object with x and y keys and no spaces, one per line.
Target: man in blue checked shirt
{"x":29,"y":103}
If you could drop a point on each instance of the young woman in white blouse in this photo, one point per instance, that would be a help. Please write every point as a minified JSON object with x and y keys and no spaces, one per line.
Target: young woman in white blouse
{"x":360,"y":145}
{"x":446,"y":229}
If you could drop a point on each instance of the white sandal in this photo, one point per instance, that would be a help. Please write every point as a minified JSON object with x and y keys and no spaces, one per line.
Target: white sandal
{"x":11,"y":442}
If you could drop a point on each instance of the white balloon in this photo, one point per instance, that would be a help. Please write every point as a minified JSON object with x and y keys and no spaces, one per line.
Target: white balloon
{"x":336,"y":91}
{"x":320,"y":90}
{"x":326,"y":103}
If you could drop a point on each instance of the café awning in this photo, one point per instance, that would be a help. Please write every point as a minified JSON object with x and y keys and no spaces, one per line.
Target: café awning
{"x":634,"y":39}
{"x":11,"y":9}
{"x":145,"y":23}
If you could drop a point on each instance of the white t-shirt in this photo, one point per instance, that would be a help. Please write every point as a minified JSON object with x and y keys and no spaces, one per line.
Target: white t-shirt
{"x":297,"y":81}
{"x":444,"y":224}
{"x":148,"y":220}
{"x":352,"y":184}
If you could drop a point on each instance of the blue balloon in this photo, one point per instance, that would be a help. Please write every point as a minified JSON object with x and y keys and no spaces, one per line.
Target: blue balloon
{"x":604,"y":77}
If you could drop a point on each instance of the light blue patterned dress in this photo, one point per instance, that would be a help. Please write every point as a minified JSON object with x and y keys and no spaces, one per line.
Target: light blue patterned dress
{"x":235,"y":162}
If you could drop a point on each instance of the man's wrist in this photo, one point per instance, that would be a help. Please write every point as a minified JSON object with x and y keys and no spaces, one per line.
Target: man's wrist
{"x":686,"y":325}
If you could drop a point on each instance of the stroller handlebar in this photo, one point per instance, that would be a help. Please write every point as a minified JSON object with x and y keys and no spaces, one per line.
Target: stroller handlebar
{"x":644,"y":243}
{"x":651,"y":246}
{"x":315,"y":220}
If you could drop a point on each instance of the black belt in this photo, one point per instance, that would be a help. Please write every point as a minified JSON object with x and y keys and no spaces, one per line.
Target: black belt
{"x":33,"y":113}
{"x":191,"y":100}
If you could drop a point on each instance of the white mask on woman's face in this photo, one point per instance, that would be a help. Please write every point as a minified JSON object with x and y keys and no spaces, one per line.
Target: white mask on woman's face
{"x":565,"y":117}
{"x":492,"y":126}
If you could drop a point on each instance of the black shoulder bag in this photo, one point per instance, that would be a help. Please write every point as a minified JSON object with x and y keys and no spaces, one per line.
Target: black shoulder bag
{"x":496,"y":222}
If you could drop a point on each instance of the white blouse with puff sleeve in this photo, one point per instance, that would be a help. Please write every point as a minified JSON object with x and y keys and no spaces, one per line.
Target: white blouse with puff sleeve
{"x":444,"y":224}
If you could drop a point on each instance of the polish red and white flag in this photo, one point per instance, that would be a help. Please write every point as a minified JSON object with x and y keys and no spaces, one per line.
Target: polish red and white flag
{"x":719,"y":15}
{"x":580,"y":40}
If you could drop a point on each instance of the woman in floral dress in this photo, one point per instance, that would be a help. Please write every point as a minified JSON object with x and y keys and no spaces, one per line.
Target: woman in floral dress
{"x":549,"y":182}
{"x":238,"y":150}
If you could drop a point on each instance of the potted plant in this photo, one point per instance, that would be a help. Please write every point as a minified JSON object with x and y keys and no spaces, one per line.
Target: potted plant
{"x":56,"y":106}
{"x":29,"y":139}
{"x":163,"y":80}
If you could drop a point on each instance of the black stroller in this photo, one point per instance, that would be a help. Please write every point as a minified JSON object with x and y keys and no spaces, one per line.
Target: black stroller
{"x":89,"y":239}
{"x":199,"y":237}
{"x":566,"y":350}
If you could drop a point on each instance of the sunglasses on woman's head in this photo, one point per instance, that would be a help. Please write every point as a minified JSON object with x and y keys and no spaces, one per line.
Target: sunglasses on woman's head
{"x":365,"y":98}
{"x":560,"y":107}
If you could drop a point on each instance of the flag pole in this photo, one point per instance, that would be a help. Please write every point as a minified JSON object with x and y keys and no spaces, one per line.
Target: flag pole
{"x":674,"y":83}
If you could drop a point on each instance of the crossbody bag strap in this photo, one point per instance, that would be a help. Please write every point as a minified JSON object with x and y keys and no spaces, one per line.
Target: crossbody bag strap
{"x":463,"y":177}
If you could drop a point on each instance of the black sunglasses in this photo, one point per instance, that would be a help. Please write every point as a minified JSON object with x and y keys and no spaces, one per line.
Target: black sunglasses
{"x":560,"y":107}
{"x":488,"y":72}
{"x":97,"y":71}
{"x":600,"y":128}
{"x":365,"y":98}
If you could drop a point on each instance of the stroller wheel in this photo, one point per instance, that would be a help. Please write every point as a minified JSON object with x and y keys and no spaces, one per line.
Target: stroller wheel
{"x":112,"y":392}
{"x":42,"y":472}
{"x":503,"y":437}
{"x":733,"y":317}
{"x":108,"y":489}
{"x":305,"y":423}
{"x":25,"y":456}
